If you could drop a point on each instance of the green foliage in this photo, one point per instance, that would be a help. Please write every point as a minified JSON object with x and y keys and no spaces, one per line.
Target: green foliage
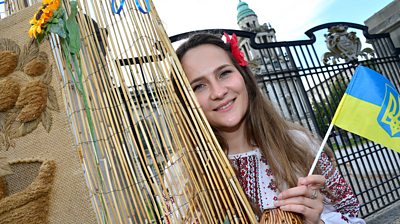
{"x":40,"y":37}
{"x":58,"y":28}
{"x":72,"y":28}
{"x":55,"y":25}
{"x":66,"y":29}
{"x":326,"y":108}
{"x":226,"y":221}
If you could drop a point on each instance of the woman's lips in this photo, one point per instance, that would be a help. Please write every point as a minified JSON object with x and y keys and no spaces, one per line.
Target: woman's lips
{"x":225,"y":106}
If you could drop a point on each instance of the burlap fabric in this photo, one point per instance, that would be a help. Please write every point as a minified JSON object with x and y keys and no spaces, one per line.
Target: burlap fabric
{"x":50,"y":140}
{"x":29,"y":201}
{"x":17,"y":5}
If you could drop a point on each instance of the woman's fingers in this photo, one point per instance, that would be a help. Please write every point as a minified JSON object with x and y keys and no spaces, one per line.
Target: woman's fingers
{"x":317,"y":180}
{"x":301,"y":200}
{"x":302,"y":190}
{"x":305,"y":198}
{"x":307,"y":212}
{"x":314,"y":193}
{"x":307,"y":187}
{"x":293,"y":192}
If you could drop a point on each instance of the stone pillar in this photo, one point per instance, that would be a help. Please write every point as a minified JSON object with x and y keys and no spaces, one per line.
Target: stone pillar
{"x":387,"y":20}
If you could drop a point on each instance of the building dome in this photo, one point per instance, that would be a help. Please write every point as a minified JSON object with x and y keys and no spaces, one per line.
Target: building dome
{"x":244,"y":11}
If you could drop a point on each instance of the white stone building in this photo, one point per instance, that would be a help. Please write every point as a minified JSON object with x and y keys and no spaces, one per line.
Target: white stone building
{"x":271,"y":64}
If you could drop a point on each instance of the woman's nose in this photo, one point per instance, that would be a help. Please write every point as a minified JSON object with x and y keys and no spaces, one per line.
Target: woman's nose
{"x":218,"y":91}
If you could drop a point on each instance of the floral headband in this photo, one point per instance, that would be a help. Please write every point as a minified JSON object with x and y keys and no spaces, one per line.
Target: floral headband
{"x":236,"y":52}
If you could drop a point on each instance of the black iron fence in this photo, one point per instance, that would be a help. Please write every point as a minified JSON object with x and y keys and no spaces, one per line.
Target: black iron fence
{"x":306,"y":85}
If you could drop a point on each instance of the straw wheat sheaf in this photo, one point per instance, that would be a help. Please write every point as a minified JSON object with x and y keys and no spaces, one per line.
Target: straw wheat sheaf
{"x":26,"y":97}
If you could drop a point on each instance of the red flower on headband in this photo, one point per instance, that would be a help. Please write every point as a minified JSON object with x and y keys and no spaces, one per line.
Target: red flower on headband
{"x":236,"y":52}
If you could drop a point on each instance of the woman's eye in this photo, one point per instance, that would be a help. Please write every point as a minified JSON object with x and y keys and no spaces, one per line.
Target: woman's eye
{"x":225,"y":73}
{"x":198,"y":87}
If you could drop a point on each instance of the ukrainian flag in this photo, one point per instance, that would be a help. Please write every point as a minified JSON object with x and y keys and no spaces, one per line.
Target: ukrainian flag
{"x":370,"y":108}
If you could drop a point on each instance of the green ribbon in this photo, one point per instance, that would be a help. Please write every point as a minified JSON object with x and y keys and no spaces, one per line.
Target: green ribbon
{"x":71,"y":46}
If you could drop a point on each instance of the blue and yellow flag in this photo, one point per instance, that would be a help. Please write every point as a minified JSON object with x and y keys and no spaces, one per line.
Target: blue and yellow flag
{"x":370,"y":108}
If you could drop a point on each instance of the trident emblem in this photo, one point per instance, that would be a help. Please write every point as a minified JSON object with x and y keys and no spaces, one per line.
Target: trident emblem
{"x":389,"y":117}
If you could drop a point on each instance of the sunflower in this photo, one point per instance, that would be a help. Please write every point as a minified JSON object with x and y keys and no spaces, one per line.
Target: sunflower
{"x":52,"y":4}
{"x":43,"y":15}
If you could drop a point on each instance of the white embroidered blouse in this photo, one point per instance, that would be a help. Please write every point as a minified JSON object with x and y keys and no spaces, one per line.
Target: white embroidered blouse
{"x":257,"y":181}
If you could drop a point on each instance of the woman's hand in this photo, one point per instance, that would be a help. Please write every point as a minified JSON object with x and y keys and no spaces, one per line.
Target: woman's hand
{"x":305,"y":199}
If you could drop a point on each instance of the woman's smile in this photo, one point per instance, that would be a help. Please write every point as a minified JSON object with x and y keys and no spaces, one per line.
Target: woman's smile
{"x":225,"y":107}
{"x":218,"y":85}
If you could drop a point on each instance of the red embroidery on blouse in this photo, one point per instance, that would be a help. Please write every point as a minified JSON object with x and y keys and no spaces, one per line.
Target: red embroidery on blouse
{"x":248,"y":179}
{"x":341,"y":196}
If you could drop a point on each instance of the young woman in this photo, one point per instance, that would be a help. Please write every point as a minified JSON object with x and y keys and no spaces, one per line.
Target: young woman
{"x":271,"y":155}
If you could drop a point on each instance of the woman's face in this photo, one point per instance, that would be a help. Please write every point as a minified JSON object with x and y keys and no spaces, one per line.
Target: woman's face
{"x":218,"y":86}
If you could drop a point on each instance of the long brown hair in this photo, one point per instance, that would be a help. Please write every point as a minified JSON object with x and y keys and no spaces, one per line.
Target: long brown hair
{"x":264,"y":126}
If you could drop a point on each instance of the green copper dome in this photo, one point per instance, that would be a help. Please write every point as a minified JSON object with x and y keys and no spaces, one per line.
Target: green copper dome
{"x":244,"y":11}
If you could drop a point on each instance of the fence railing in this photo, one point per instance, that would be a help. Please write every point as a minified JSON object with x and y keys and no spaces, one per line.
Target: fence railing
{"x":306,"y":87}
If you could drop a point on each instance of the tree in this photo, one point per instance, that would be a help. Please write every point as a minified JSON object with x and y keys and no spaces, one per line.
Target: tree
{"x":326,"y":108}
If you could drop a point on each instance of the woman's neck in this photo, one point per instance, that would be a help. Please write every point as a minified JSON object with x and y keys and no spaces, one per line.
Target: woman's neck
{"x":236,"y":140}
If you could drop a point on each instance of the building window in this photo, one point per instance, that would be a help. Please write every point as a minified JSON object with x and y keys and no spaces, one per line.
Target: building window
{"x":245,"y":51}
{"x":250,"y":52}
{"x":265,"y":40}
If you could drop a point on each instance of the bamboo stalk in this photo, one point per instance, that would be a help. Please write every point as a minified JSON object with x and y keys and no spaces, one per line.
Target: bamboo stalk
{"x":136,"y":132}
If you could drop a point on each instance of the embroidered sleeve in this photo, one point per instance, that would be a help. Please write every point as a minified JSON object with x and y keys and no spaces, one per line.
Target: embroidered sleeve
{"x":341,"y":205}
{"x":341,"y":196}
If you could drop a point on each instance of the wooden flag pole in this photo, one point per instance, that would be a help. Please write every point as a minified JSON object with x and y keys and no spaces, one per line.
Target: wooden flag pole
{"x":321,"y":148}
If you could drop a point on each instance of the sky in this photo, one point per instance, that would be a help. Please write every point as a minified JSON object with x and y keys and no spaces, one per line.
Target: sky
{"x":289,"y":18}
